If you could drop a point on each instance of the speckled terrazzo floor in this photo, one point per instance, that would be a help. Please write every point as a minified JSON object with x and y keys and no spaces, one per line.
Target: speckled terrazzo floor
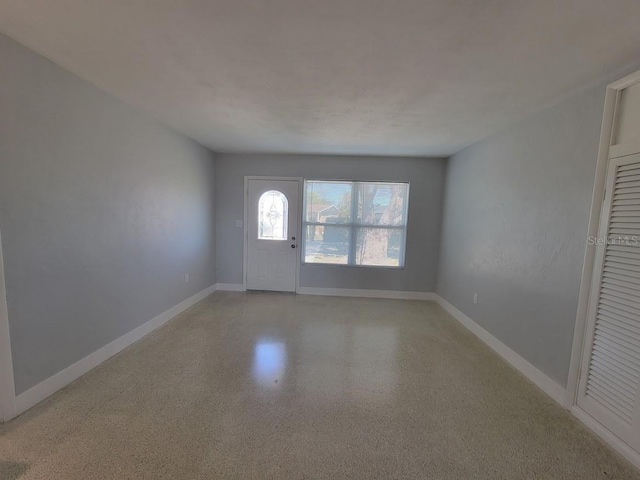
{"x":259,"y":386}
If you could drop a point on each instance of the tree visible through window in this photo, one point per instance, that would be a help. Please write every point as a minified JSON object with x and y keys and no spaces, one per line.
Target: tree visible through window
{"x":355,"y":223}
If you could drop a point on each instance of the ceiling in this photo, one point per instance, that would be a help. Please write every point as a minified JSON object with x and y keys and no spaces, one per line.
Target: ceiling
{"x":397,"y":77}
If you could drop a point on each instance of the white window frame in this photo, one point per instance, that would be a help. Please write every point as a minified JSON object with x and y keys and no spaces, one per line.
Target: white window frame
{"x":353,"y":225}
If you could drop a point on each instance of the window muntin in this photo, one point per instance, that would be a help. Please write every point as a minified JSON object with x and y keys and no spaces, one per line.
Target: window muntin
{"x":355,"y":223}
{"x":273,"y":216}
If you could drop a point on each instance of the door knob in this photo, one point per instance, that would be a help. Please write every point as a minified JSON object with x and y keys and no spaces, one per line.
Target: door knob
{"x":293,"y":238}
{"x":293,"y":246}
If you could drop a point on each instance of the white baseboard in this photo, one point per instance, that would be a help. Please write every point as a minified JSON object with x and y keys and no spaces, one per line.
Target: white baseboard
{"x":341,"y":292}
{"x":353,"y":292}
{"x":609,"y":438}
{"x":230,"y":287}
{"x":44,"y":389}
{"x":549,"y":386}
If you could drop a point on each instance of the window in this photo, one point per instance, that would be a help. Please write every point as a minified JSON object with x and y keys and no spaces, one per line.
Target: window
{"x":273,"y":216}
{"x":355,"y":223}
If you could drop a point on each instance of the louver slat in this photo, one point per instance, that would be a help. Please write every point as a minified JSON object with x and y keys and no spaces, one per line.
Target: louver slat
{"x":613,"y":377}
{"x":629,"y":288}
{"x":627,"y":279}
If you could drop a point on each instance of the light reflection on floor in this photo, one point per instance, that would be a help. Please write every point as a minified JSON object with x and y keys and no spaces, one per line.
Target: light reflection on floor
{"x":269,"y":363}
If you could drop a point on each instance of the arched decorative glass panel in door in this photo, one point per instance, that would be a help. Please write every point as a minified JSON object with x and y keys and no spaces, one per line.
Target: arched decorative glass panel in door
{"x":273,"y":216}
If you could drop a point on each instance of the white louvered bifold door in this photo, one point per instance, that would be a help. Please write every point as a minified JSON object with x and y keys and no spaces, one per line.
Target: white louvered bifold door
{"x":610,"y":375}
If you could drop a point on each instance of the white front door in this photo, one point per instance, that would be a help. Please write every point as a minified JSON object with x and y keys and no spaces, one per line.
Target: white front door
{"x":272,"y":229}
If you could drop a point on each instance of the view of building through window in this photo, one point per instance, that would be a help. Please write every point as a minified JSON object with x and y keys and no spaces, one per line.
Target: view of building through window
{"x":355,"y":223}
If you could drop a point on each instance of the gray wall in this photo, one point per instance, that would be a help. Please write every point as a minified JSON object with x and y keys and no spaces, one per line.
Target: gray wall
{"x":102,"y":212}
{"x":515,"y":223}
{"x":425,"y":212}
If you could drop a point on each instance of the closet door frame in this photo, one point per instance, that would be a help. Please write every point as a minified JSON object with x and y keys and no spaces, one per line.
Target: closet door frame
{"x":7,"y":387}
{"x":598,"y":411}
{"x":581,"y":334}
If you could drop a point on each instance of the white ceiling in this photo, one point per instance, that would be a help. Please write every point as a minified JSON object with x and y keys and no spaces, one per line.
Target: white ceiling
{"x":404,"y":77}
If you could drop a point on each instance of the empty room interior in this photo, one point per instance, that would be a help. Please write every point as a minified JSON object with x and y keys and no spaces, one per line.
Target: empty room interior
{"x":341,"y":239}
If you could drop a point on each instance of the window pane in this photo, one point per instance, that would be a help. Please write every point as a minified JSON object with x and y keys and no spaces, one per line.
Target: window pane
{"x":326,"y":244}
{"x":273,"y":216}
{"x":379,"y":246}
{"x":328,"y":202}
{"x":382,"y":203}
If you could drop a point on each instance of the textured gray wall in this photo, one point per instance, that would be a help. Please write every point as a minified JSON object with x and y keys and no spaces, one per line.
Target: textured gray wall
{"x":425,"y":213}
{"x":102,"y":212}
{"x":515,"y":222}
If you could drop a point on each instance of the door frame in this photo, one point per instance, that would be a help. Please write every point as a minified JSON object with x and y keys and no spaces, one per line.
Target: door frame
{"x":245,"y":236}
{"x":611,"y":103}
{"x":7,"y":385}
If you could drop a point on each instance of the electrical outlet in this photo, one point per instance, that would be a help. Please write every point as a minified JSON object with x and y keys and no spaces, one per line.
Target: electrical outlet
{"x":475,"y":298}
{"x":186,"y":278}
